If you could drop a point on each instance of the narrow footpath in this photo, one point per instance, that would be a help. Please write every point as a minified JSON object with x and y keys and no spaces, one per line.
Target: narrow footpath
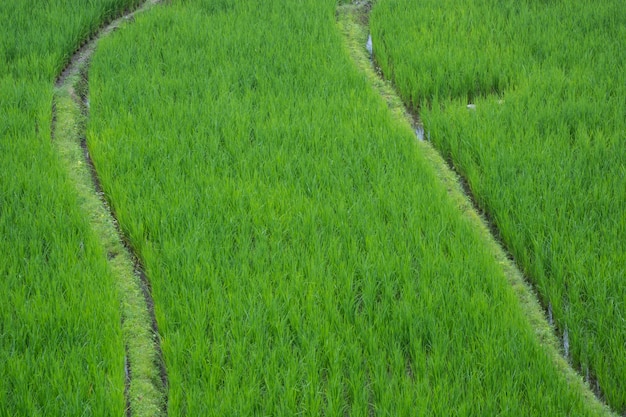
{"x":145,"y":374}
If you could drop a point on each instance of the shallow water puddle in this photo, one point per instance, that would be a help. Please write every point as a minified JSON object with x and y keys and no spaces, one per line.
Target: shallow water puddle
{"x":419,"y":132}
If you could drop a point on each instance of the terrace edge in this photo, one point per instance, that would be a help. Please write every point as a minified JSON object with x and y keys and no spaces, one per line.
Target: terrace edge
{"x":146,"y":381}
{"x":353,"y":21}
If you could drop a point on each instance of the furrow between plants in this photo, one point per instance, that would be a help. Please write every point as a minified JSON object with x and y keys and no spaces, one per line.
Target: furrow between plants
{"x":353,"y":20}
{"x":145,"y":373}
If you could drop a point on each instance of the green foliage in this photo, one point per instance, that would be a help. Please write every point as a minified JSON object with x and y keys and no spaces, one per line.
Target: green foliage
{"x":304,"y":256}
{"x":60,"y":341}
{"x":546,"y":156}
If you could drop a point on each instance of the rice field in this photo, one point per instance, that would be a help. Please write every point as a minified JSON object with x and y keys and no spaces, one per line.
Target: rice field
{"x":306,"y":254}
{"x":61,"y":350}
{"x":305,"y":257}
{"x":541,"y":145}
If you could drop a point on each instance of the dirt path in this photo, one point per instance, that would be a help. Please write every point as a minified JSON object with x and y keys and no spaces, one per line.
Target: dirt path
{"x":353,"y":20}
{"x":145,"y":374}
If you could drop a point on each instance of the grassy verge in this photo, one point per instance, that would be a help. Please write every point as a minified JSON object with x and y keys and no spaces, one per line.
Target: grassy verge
{"x":542,"y":151}
{"x":321,"y":266}
{"x":145,"y":389}
{"x":354,"y":23}
{"x":146,"y":378}
{"x":61,"y":350}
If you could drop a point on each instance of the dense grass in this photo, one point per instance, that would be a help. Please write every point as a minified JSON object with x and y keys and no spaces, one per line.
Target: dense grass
{"x":304,"y":256}
{"x":545,"y":156}
{"x":61,"y":349}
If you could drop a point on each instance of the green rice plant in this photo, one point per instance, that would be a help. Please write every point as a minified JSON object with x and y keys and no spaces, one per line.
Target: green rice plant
{"x":543,"y":151}
{"x":305,"y":256}
{"x":61,"y":350}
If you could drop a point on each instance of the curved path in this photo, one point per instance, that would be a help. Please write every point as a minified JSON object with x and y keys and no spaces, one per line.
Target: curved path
{"x":146,"y":376}
{"x":353,"y":20}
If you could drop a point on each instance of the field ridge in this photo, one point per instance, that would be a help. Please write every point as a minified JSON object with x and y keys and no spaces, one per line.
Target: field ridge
{"x":145,"y":373}
{"x":537,"y":132}
{"x":353,"y":19}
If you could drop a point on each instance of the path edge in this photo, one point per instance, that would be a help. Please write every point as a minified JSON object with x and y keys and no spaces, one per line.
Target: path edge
{"x":146,"y":382}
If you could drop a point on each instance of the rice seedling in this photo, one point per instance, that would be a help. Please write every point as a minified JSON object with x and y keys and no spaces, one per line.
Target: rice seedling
{"x":304,"y":256}
{"x":542,"y":150}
